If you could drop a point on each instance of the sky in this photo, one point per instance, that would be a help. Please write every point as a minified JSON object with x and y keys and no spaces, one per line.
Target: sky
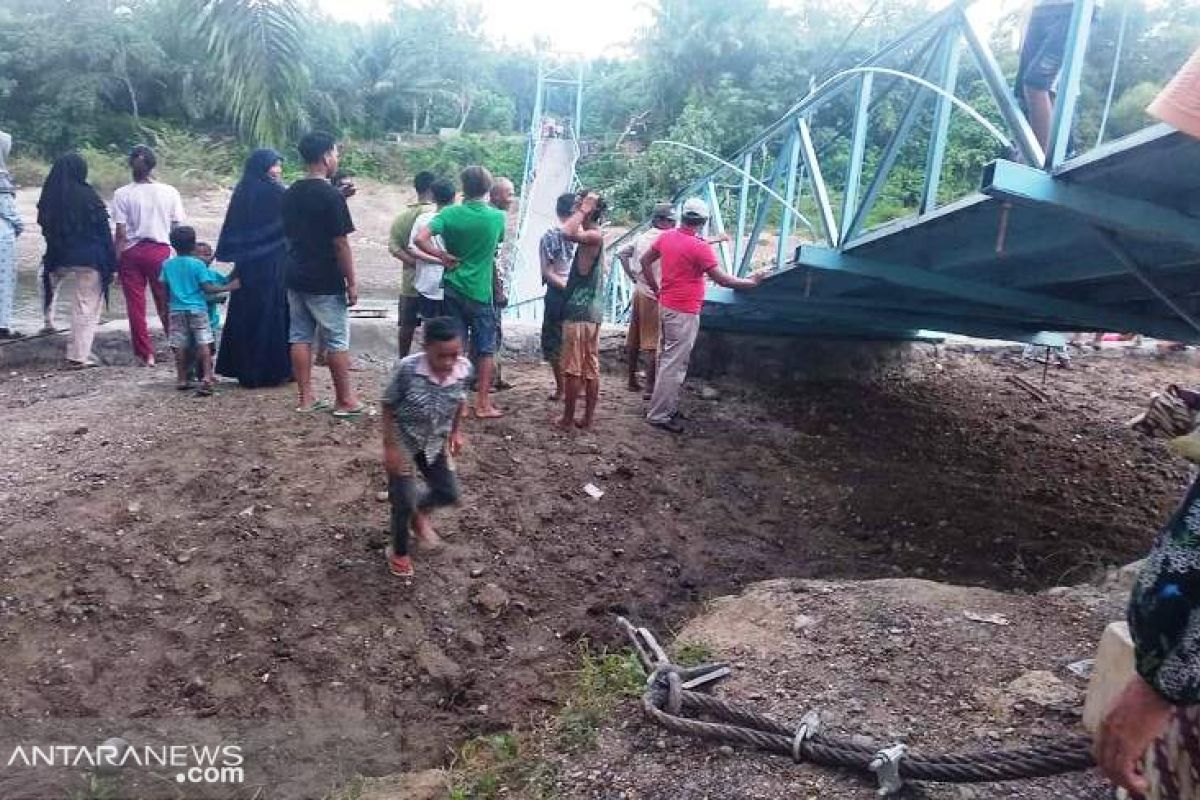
{"x":606,"y":33}
{"x":519,"y":21}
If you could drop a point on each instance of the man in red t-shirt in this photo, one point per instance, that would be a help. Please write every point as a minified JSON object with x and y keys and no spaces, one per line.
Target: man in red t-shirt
{"x":686,"y":260}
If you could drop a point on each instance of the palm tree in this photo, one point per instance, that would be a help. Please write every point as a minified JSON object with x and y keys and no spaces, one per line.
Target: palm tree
{"x":257,"y":50}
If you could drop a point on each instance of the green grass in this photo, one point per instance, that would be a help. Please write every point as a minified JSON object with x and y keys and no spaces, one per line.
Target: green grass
{"x":98,"y":788}
{"x":501,"y":765}
{"x":693,"y":654}
{"x":516,"y":765}
{"x":602,"y":681}
{"x":352,"y":790}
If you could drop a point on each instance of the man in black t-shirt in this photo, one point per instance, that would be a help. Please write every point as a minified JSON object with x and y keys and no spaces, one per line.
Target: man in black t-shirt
{"x":320,"y":275}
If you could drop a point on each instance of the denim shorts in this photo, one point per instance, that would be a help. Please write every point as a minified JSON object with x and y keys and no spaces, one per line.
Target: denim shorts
{"x":1044,"y":48}
{"x":477,"y":322}
{"x":189,"y":329}
{"x":328,"y":312}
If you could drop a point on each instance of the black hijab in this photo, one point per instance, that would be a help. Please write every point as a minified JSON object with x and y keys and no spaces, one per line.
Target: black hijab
{"x":253,"y":226}
{"x":74,"y":222}
{"x":69,"y":206}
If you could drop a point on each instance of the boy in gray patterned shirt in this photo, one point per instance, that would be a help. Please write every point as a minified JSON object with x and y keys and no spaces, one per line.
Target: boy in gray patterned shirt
{"x":423,"y":408}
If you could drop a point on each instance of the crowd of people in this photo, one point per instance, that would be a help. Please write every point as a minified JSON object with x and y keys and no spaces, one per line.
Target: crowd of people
{"x":294,"y":280}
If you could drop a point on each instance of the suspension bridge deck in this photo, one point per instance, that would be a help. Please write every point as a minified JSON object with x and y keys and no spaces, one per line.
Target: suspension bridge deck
{"x":1106,"y":242}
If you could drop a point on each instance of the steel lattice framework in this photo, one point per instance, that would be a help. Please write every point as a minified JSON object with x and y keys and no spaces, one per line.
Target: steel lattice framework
{"x":1054,"y":240}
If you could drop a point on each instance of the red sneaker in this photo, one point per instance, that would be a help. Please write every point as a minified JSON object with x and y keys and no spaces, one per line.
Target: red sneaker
{"x":400,"y":566}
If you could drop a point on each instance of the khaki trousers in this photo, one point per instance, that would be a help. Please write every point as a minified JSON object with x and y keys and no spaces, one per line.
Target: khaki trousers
{"x":679,"y":331}
{"x":85,"y":309}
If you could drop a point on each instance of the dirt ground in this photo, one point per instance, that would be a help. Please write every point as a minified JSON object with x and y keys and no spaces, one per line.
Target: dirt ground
{"x":171,"y":559}
{"x":196,"y":568}
{"x":892,"y":660}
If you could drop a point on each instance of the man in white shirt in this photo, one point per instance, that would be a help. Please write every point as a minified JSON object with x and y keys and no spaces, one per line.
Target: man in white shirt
{"x":144,"y":212}
{"x":428,"y":277}
{"x":644,"y":329}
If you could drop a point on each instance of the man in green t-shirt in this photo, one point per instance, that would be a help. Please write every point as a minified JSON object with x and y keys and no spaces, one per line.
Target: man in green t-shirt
{"x":398,"y":240}
{"x":471,"y":232}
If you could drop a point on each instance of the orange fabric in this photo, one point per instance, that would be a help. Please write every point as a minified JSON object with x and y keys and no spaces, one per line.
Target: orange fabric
{"x":1178,"y":104}
{"x":644,"y":324}
{"x":581,"y":350}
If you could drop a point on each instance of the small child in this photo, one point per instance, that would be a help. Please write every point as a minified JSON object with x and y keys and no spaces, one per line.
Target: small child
{"x":423,"y":408}
{"x":189,"y":282}
{"x":204,"y":252}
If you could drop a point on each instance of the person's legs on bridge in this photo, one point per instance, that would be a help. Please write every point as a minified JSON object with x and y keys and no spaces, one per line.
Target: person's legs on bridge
{"x":1041,"y":61}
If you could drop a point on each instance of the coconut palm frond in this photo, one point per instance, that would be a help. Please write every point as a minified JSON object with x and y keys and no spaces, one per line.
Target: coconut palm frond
{"x":257,"y":48}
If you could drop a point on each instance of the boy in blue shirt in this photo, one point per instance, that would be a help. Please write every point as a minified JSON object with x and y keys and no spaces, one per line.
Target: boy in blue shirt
{"x":189,"y":282}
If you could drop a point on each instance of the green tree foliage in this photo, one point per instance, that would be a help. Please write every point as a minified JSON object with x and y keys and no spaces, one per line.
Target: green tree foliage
{"x":709,"y":73}
{"x":257,"y":49}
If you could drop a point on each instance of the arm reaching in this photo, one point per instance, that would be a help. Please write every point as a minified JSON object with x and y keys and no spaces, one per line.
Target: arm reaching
{"x":573,"y":228}
{"x":722,"y":278}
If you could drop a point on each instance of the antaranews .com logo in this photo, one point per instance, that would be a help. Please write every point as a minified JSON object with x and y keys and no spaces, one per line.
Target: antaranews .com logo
{"x":222,"y":764}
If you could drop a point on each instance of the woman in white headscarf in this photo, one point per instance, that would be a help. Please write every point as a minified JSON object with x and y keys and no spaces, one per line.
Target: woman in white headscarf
{"x":10,"y":229}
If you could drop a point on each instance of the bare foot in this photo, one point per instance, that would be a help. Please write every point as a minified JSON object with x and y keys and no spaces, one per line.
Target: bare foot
{"x":427,"y":537}
{"x":564,"y":424}
{"x":490,"y":412}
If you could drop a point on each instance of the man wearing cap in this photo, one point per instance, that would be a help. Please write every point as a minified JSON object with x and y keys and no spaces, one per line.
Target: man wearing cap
{"x":686,"y":260}
{"x":644,"y":328}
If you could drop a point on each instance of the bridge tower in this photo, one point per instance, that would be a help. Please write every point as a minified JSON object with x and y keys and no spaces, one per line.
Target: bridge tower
{"x":550,"y":158}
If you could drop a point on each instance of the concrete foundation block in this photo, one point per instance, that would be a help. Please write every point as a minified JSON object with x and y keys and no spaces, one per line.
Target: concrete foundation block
{"x":1113,"y":669}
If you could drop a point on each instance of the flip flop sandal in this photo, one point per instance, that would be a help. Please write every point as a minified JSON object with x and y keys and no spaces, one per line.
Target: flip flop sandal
{"x":318,"y":405}
{"x":353,"y":413}
{"x":204,"y":390}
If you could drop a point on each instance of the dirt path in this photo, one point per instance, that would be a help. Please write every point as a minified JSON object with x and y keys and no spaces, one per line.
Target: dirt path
{"x":168,"y":558}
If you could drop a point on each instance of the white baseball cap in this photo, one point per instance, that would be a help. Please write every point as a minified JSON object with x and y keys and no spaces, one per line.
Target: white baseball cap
{"x":695,"y":208}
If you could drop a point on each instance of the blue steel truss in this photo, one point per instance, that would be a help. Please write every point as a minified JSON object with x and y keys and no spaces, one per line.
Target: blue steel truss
{"x":1106,"y":240}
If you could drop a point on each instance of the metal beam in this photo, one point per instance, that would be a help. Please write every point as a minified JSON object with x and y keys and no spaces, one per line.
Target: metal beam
{"x":894,"y":146}
{"x":789,"y":198}
{"x":785,"y":300}
{"x":820,"y":190}
{"x":1036,"y":305}
{"x":940,"y":132}
{"x":1130,"y":263}
{"x":1021,"y":184}
{"x":858,"y":149}
{"x":821,"y":319}
{"x":577,"y":127}
{"x":717,"y":220}
{"x":739,"y":244}
{"x":1018,"y":126}
{"x":1072,"y":74}
{"x":760,"y":212}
